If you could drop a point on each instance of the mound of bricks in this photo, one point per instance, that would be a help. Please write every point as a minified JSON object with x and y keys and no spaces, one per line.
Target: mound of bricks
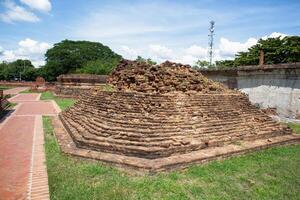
{"x":160,"y":130}
{"x":164,"y":78}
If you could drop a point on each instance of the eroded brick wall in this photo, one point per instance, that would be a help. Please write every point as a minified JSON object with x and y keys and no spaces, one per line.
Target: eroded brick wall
{"x":160,"y":125}
{"x":73,"y":85}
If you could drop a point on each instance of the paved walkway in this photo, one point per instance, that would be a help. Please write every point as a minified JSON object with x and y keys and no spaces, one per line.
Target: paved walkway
{"x":23,"y":174}
{"x":14,"y":91}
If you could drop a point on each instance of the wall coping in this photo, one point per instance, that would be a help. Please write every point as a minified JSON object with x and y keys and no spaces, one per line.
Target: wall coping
{"x":295,"y":65}
{"x":82,"y":78}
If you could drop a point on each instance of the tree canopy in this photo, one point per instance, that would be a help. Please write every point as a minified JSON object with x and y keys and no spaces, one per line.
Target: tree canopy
{"x":79,"y":57}
{"x":19,"y":69}
{"x":148,"y":60}
{"x":201,"y":64}
{"x":276,"y":50}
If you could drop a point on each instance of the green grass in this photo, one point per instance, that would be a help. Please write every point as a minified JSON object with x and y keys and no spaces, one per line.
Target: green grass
{"x":108,"y":88}
{"x":5,"y":87}
{"x":29,"y":91}
{"x":268,"y":174}
{"x":11,"y":105}
{"x":295,"y":127}
{"x":63,"y":103}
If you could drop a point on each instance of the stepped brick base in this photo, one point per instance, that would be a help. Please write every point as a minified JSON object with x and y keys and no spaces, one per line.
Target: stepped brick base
{"x":157,"y":132}
{"x":182,"y":161}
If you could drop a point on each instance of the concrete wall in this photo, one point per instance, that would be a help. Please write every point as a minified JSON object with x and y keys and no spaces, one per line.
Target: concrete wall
{"x":273,"y":86}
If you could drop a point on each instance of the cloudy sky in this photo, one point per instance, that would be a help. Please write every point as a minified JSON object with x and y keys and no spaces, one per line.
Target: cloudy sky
{"x":162,"y":30}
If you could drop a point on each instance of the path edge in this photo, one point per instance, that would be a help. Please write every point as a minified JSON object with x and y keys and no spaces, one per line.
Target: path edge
{"x":38,"y":188}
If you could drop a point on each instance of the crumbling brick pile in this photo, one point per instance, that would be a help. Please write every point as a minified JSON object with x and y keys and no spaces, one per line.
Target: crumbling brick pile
{"x":159,"y":130}
{"x":167,"y":77}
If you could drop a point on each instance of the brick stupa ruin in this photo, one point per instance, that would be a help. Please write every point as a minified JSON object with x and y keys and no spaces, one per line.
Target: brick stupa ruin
{"x":165,"y":117}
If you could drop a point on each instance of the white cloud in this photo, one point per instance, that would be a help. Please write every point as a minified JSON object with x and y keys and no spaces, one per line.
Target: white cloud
{"x":275,"y":35}
{"x":229,"y":48}
{"x":128,"y":52}
{"x":160,"y":52}
{"x":8,"y":56}
{"x":38,"y":63}
{"x":40,"y":5}
{"x":29,"y":46}
{"x":28,"y":49}
{"x":225,"y":49}
{"x":186,"y":59}
{"x":17,"y":13}
{"x":198,"y":51}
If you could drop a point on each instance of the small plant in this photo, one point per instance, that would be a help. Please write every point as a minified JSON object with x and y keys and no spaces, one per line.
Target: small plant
{"x":295,"y":127}
{"x":109,"y":88}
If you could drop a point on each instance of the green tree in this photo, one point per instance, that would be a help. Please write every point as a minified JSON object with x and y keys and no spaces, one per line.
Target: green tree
{"x":98,"y":67}
{"x":224,"y":63}
{"x":276,"y":50}
{"x":69,"y":56}
{"x":148,"y":60}
{"x":30,"y":74}
{"x":201,"y":64}
{"x":17,"y":69}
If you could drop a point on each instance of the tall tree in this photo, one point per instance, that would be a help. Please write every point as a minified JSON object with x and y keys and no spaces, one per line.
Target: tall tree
{"x":69,"y":56}
{"x":276,"y":50}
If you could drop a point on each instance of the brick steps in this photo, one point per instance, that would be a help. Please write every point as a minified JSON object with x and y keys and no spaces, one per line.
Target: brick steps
{"x":180,"y":161}
{"x":155,"y":126}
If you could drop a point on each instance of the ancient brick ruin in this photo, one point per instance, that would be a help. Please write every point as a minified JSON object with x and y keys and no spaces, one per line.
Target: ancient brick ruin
{"x":164,"y":78}
{"x":73,"y":85}
{"x":154,"y":123}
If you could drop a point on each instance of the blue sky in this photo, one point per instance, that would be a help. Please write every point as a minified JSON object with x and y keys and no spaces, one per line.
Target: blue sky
{"x":173,"y":30}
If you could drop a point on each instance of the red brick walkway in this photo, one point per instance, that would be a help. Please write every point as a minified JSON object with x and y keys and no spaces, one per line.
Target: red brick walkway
{"x":15,"y":90}
{"x":23,"y":173}
{"x":25,"y":97}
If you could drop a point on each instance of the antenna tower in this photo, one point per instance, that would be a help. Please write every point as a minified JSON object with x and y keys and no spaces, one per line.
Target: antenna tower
{"x":211,"y":40}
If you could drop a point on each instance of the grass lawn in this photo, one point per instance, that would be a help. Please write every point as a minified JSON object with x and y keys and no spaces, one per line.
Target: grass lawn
{"x":63,"y":103}
{"x":5,"y":87}
{"x":269,"y":174}
{"x":295,"y":127}
{"x":11,"y":105}
{"x":28,"y":91}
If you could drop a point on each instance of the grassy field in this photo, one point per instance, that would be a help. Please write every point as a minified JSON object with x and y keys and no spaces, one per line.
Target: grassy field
{"x":29,"y":91}
{"x":5,"y":87}
{"x":269,"y":174}
{"x":295,"y":127}
{"x":63,"y":103}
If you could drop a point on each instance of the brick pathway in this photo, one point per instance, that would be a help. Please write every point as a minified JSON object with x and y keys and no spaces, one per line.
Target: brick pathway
{"x":23,"y":174}
{"x":25,"y":97}
{"x":16,"y":90}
